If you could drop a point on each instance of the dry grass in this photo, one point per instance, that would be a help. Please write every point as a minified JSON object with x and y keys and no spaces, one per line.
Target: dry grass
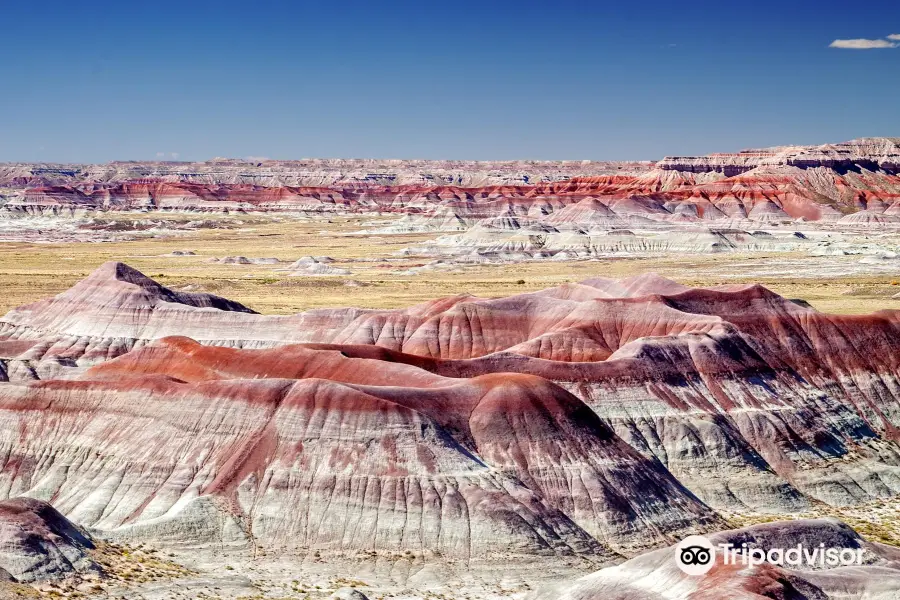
{"x":876,"y":521}
{"x":30,"y":271}
{"x":123,"y":566}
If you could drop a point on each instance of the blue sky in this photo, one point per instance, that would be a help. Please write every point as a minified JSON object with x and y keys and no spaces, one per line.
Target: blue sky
{"x":103,"y":80}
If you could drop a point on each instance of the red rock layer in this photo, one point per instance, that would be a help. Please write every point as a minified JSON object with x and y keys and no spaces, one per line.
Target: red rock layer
{"x":812,"y":182}
{"x":763,"y":195}
{"x":308,"y":448}
{"x":749,"y":399}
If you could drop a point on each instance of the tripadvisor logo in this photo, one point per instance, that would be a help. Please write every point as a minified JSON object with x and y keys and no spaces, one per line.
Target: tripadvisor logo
{"x":696,"y":555}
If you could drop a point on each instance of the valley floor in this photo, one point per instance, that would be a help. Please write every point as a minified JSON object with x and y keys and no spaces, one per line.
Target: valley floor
{"x":379,"y":277}
{"x":147,"y":573}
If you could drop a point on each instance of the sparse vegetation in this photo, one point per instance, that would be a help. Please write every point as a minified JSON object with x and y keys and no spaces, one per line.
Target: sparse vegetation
{"x":877,"y":521}
{"x":33,"y":271}
{"x":122,"y":566}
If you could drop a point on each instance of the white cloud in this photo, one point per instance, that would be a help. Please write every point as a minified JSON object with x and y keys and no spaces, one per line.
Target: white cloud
{"x":862,"y":44}
{"x":894,"y":36}
{"x":160,"y":154}
{"x":174,"y":155}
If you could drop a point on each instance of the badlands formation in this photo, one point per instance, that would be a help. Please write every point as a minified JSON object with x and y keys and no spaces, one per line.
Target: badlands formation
{"x":815,"y":183}
{"x":835,"y":199}
{"x":555,"y":442}
{"x":573,"y":428}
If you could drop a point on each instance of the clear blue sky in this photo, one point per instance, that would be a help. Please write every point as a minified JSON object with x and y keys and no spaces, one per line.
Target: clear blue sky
{"x":103,"y":80}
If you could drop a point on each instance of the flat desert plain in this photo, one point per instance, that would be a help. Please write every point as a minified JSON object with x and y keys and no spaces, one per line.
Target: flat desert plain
{"x":378,"y":276}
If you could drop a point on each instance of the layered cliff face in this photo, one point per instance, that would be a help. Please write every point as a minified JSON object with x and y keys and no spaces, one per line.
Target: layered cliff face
{"x":870,"y":154}
{"x":815,"y":183}
{"x":159,"y":195}
{"x":312,"y":172}
{"x":813,"y":193}
{"x":749,"y":400}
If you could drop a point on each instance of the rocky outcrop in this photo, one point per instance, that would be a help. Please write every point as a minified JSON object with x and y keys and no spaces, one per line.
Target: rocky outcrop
{"x":313,"y":265}
{"x":348,"y":594}
{"x":38,"y":543}
{"x":870,"y":154}
{"x":590,"y":212}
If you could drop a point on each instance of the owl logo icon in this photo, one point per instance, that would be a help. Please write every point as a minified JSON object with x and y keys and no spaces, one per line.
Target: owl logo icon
{"x":695,"y":555}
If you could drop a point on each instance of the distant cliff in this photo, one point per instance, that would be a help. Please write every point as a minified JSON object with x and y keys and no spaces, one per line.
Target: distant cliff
{"x":870,"y":154}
